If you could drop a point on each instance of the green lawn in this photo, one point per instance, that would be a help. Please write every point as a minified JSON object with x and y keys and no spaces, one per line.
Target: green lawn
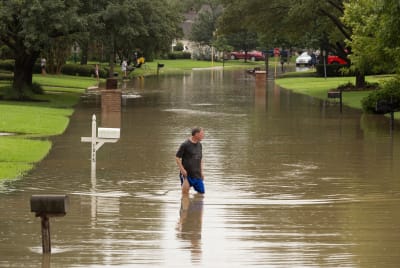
{"x":18,"y":155}
{"x":34,"y":122}
{"x":318,"y":87}
{"x":181,"y":66}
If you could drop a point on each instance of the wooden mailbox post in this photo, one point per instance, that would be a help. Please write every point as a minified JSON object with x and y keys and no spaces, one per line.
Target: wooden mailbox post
{"x":46,"y":206}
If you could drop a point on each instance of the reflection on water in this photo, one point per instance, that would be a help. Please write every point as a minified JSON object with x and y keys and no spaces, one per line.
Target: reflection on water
{"x":290,"y":182}
{"x":190,"y":223}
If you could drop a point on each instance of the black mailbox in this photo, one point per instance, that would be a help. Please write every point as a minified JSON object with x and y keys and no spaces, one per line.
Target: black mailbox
{"x":50,"y":205}
{"x":46,"y":206}
{"x":160,"y":65}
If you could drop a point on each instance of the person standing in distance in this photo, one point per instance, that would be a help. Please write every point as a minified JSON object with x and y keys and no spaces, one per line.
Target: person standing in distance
{"x":189,"y":158}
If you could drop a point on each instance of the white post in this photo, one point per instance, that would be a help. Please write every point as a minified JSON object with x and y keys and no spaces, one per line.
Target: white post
{"x":98,"y":138}
{"x":94,"y":136}
{"x":94,"y":141}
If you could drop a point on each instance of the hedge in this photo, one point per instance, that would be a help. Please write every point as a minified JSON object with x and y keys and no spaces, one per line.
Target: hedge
{"x":82,"y":70}
{"x":388,"y":97}
{"x":7,"y":65}
{"x":179,"y":55}
{"x":332,"y":70}
{"x":68,"y":69}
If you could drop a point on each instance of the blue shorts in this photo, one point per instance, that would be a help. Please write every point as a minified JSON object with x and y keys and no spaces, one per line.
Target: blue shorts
{"x":196,"y":183}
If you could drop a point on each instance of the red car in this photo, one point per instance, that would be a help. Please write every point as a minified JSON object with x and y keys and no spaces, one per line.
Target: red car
{"x":336,"y":60}
{"x":251,"y":55}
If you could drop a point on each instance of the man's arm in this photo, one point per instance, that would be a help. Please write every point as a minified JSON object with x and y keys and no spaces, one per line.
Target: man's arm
{"x":181,"y":168}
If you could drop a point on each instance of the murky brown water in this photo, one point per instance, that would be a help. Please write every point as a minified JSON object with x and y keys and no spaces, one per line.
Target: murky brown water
{"x":289,"y":183}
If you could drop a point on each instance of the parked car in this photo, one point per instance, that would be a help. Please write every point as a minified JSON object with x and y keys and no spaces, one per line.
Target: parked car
{"x":303,"y":59}
{"x":251,"y":55}
{"x":332,"y":59}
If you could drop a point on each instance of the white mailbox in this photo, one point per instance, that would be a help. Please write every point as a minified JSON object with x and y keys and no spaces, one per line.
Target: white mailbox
{"x":108,"y":133}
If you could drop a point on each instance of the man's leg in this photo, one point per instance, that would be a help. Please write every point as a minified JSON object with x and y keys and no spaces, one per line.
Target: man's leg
{"x":185,"y":185}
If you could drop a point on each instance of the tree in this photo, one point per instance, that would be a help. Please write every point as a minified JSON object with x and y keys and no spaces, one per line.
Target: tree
{"x":26,"y":27}
{"x":204,"y":27}
{"x":375,"y":38}
{"x":126,"y":25}
{"x":162,"y":22}
{"x":320,"y":22}
{"x":243,"y":40}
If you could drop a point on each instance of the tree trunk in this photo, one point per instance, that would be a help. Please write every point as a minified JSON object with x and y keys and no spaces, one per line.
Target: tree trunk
{"x":112,"y":59}
{"x":84,"y":52}
{"x":111,"y":64}
{"x":360,"y":79}
{"x":23,"y":70}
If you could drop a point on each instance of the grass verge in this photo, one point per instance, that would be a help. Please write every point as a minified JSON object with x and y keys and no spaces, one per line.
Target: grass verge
{"x":318,"y":87}
{"x":34,"y":122}
{"x":182,"y":66}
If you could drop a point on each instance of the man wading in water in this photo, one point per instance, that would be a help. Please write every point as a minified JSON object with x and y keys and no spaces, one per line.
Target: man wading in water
{"x":189,"y":159}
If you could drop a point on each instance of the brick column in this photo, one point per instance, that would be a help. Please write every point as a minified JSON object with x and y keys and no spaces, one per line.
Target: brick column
{"x":111,"y":108}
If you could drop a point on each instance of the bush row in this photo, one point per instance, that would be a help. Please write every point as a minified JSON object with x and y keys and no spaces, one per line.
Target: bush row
{"x":83,"y":70}
{"x":179,"y":55}
{"x":68,"y":69}
{"x":332,"y":70}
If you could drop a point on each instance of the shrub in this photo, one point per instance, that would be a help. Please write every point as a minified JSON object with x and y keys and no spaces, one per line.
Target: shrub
{"x":179,"y":55}
{"x":388,"y":94}
{"x":6,"y":76}
{"x":28,"y":93}
{"x":7,"y":65}
{"x":347,"y":86}
{"x":332,"y":70}
{"x":37,"y":88}
{"x":351,"y":87}
{"x":82,"y":70}
{"x":68,"y":69}
{"x":11,"y":94}
{"x":178,"y":47}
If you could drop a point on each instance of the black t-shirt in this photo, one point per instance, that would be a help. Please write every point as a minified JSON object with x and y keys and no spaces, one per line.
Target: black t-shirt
{"x":191,"y":154}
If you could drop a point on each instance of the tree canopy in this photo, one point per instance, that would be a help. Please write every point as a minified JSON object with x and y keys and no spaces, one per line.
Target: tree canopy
{"x":375,"y":39}
{"x":31,"y":28}
{"x":27,"y":27}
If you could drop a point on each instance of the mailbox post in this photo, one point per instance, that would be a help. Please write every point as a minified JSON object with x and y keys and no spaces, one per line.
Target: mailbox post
{"x":46,"y":206}
{"x":159,"y":66}
{"x":98,"y":138}
{"x":337,"y":95}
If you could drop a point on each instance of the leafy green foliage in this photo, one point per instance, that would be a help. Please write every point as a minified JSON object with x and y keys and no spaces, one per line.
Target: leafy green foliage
{"x":83,"y":70}
{"x":277,"y":22}
{"x":332,"y":70}
{"x":203,"y":30}
{"x":388,"y":94}
{"x":7,"y":65}
{"x":179,"y":55}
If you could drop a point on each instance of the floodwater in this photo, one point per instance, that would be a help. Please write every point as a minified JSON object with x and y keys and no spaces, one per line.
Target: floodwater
{"x":290,"y":182}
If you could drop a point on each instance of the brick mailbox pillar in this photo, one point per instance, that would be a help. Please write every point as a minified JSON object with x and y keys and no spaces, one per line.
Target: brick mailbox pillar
{"x":111,"y":104}
{"x":111,"y":83}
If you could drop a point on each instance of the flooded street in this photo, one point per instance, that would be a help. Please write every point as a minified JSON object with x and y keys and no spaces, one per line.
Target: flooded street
{"x":290,"y":182}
